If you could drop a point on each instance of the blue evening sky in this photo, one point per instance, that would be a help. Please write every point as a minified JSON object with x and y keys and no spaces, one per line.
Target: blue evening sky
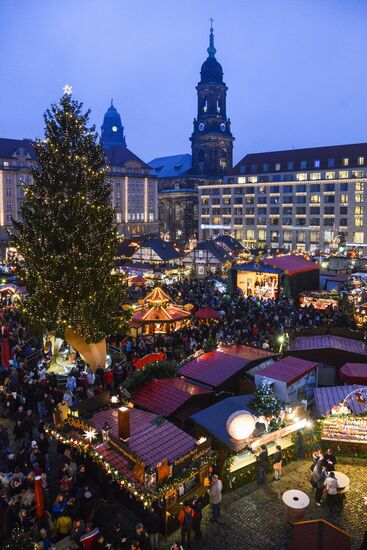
{"x":296,"y":69}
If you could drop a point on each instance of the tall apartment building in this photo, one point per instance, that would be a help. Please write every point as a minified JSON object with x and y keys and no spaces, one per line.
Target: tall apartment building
{"x":296,"y":199}
{"x":134,"y":189}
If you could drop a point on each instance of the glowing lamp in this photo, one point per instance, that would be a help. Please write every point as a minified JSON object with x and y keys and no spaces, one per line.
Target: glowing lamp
{"x":240,"y":425}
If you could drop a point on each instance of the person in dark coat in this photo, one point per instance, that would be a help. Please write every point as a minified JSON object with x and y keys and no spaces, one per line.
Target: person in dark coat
{"x":330,"y":460}
{"x":262,"y":465}
{"x":141,"y":537}
{"x":198,"y":515}
{"x":154,"y":522}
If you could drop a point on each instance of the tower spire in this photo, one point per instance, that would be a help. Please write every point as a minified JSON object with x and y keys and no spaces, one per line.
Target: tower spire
{"x":211,"y":50}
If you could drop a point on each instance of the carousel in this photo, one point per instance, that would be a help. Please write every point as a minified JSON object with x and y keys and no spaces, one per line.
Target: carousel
{"x":158,"y":314}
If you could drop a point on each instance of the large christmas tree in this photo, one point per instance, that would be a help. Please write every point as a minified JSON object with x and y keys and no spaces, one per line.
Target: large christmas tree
{"x":264,"y":402}
{"x":67,"y":237}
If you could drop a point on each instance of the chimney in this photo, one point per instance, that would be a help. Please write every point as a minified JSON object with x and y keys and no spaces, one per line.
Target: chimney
{"x":124,"y":423}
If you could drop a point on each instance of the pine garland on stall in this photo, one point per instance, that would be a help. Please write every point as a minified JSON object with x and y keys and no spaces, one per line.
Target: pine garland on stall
{"x":67,"y":237}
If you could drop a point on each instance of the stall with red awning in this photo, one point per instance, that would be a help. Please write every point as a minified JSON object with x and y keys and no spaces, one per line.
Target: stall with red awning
{"x":354,"y":373}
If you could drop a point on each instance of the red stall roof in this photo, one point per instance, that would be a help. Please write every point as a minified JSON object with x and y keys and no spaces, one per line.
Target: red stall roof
{"x":328,"y":341}
{"x":289,"y":369}
{"x":166,"y":395}
{"x":207,"y":313}
{"x":354,"y":373}
{"x":291,"y":264}
{"x":215,"y":367}
{"x":327,"y":398}
{"x":152,"y":441}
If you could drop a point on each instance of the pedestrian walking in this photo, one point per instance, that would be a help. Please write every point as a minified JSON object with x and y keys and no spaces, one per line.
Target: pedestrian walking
{"x":262,"y":465}
{"x":215,"y":497}
{"x":277,"y":463}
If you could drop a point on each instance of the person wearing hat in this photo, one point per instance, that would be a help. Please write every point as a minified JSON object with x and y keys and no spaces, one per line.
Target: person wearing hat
{"x":196,"y":524}
{"x":117,"y":538}
{"x":141,"y":537}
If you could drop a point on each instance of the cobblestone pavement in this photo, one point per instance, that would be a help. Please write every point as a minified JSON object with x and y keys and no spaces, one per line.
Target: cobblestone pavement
{"x":254,"y":518}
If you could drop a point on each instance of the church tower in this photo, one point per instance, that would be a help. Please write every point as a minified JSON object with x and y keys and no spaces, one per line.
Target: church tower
{"x":112,"y":129}
{"x":211,"y":140}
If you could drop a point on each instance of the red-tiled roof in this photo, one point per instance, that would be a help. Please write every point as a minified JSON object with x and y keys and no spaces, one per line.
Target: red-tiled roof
{"x":328,"y":341}
{"x":291,"y":264}
{"x":215,"y":367}
{"x":152,"y":442}
{"x":354,"y":373}
{"x":166,"y":395}
{"x":327,"y":398}
{"x":118,"y":462}
{"x":289,"y":369}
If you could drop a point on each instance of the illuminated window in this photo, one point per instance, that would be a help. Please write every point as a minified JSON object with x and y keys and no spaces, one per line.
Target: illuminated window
{"x":118,"y":217}
{"x":262,"y":234}
{"x":345,"y":161}
{"x":314,"y":236}
{"x":8,"y":179}
{"x":216,"y":220}
{"x":359,"y":186}
{"x":358,"y":210}
{"x":359,"y":197}
{"x":241,"y":179}
{"x":301,"y":177}
{"x":360,"y":161}
{"x":252,"y":179}
{"x":303,"y":164}
{"x":250,"y":234}
{"x":344,"y":198}
{"x":315,"y":198}
{"x":315,"y":176}
{"x":343,"y":174}
{"x":358,"y":221}
{"x":277,"y":166}
{"x":316,"y":164}
{"x":358,"y":237}
{"x":329,"y":175}
{"x":8,"y":191}
{"x":357,"y":173}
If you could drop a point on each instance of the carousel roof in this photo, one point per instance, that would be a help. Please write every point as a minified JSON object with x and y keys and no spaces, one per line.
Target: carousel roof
{"x":157,"y":309}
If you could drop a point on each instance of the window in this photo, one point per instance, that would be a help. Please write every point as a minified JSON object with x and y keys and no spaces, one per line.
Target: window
{"x":216,"y":220}
{"x":328,"y":222}
{"x":277,"y":166}
{"x":316,"y":164}
{"x":328,"y":210}
{"x":274,"y":200}
{"x":314,"y":236}
{"x":201,"y":270}
{"x":252,"y":179}
{"x":358,"y":237}
{"x":315,"y":198}
{"x":288,"y":199}
{"x":250,"y":234}
{"x":250,"y":190}
{"x":253,"y":168}
{"x":343,"y":174}
{"x":358,"y":221}
{"x":315,"y":187}
{"x":314,"y":221}
{"x":249,"y":221}
{"x":8,"y":206}
{"x":344,"y":210}
{"x":266,"y":167}
{"x":330,"y":163}
{"x":315,"y":210}
{"x":118,"y":183}
{"x":8,"y":218}
{"x":274,"y":210}
{"x":287,"y":221}
{"x":345,"y":161}
{"x":344,"y":222}
{"x":344,"y":186}
{"x":261,"y":200}
{"x":359,"y":186}
{"x":303,"y":164}
{"x":301,"y":189}
{"x":359,"y":197}
{"x":277,"y":177}
{"x":238,"y":200}
{"x":301,"y":210}
{"x":290,"y":165}
{"x":301,"y":222}
{"x":262,"y":234}
{"x":262,"y":211}
{"x":301,"y":200}
{"x":357,"y":173}
{"x":226,"y":200}
{"x":216,"y":200}
{"x":288,"y":189}
{"x":8,"y":179}
{"x":8,"y":192}
{"x":287,"y":210}
{"x":329,"y":199}
{"x":261,"y":220}
{"x":360,"y":161}
{"x":315,"y":176}
{"x":241,"y":179}
{"x":301,"y":176}
{"x":118,"y":217}
{"x":238,"y":221}
{"x":343,"y":198}
{"x":237,"y":211}
{"x":358,"y":210}
{"x":274,"y":189}
{"x":329,"y":175}
{"x":250,"y":200}
{"x":329,"y":187}
{"x":238,"y":190}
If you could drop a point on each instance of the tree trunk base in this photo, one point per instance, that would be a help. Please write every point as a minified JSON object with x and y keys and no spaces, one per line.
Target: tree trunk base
{"x":93,"y":354}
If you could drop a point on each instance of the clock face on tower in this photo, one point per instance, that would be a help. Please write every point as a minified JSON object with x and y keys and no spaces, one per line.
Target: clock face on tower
{"x":201,"y":127}
{"x":114,"y":128}
{"x":223,"y":127}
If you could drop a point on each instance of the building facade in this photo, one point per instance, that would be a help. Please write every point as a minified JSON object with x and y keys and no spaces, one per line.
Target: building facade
{"x":211,"y":146}
{"x":134,"y":188}
{"x":303,"y":199}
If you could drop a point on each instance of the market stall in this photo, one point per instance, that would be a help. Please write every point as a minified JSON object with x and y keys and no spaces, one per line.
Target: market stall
{"x":149,"y":458}
{"x":319,"y":300}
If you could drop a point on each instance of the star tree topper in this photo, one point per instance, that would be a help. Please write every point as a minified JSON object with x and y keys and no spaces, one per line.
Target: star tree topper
{"x":68,"y":90}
